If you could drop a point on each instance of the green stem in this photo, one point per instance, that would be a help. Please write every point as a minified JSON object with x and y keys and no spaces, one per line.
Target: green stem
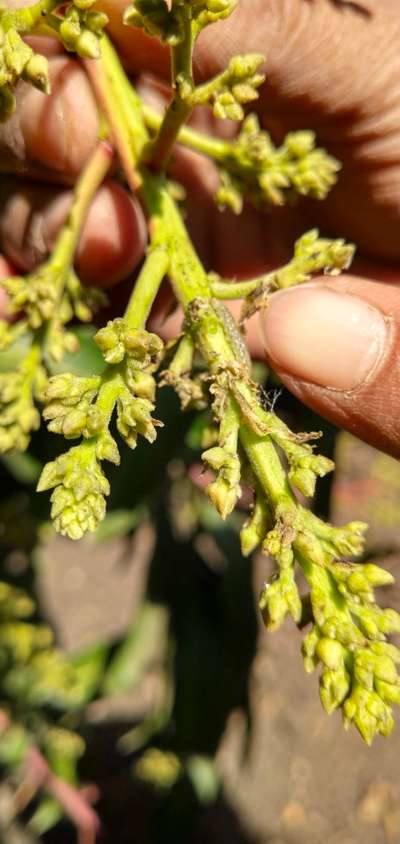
{"x":215,"y":148}
{"x":266,"y":465}
{"x":182,"y":360}
{"x":62,"y":258}
{"x":235,"y":289}
{"x":186,"y":268}
{"x":122,"y":109}
{"x":108,"y":394}
{"x":182,"y":85}
{"x":146,"y":286}
{"x":229,"y":427}
{"x":205,"y":92}
{"x":190,"y":282}
{"x":29,"y":367}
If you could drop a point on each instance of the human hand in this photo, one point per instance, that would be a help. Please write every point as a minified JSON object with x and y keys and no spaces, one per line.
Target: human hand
{"x":335,"y":344}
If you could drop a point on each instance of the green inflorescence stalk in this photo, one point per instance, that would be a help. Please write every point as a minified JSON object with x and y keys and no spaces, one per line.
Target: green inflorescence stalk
{"x":348,"y":635}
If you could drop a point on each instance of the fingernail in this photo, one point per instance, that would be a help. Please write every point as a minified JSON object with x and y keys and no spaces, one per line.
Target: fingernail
{"x":327,"y":338}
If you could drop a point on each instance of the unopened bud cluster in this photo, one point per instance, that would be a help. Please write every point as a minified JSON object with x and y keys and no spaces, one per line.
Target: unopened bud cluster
{"x":18,"y":61}
{"x":279,"y":598}
{"x":225,"y":490}
{"x":37,"y":295}
{"x":139,"y":352}
{"x":141,"y":349}
{"x":359,"y":672}
{"x":69,"y":406}
{"x":237,"y":86}
{"x":78,"y":28}
{"x":265,"y":173}
{"x":18,"y":414}
{"x":348,"y":636}
{"x":80,"y":487}
{"x":83,"y":407}
{"x":81,"y":29}
{"x":166,"y":21}
{"x":34,"y":673}
{"x":312,"y":254}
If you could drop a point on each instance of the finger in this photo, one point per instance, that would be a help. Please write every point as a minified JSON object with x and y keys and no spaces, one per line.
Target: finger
{"x":44,"y":45}
{"x":329,"y":68}
{"x":6,"y":269}
{"x":52,"y":135}
{"x":112,"y":241}
{"x":138,"y":51}
{"x":113,"y":238}
{"x":336,"y":345}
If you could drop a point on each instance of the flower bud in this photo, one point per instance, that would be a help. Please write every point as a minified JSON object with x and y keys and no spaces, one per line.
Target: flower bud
{"x":377,"y":576}
{"x":369,"y":626}
{"x":331,"y":653}
{"x":254,"y":529}
{"x":108,"y":337}
{"x":385,"y":649}
{"x":29,"y":419}
{"x":273,"y":606}
{"x":36,"y":71}
{"x":389,"y":692}
{"x":364,"y":675}
{"x":244,"y":93}
{"x":95,"y":421}
{"x":225,"y":108}
{"x":219,"y":7}
{"x":311,"y":548}
{"x":303,"y":479}
{"x":300,"y":144}
{"x":273,"y":542}
{"x":388,"y":621}
{"x":242,"y":67}
{"x":350,"y":539}
{"x":73,"y":424}
{"x":358,"y":583}
{"x":223,"y":496}
{"x":96,"y":21}
{"x":215,"y":457}
{"x":87,"y":45}
{"x":49,"y":476}
{"x":334,"y":686}
{"x":385,"y":669}
{"x":83,"y":4}
{"x":69,"y":32}
{"x":310,"y":642}
{"x":107,"y":449}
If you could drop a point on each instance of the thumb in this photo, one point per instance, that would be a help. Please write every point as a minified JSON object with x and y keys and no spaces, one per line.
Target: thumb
{"x":336,"y":346}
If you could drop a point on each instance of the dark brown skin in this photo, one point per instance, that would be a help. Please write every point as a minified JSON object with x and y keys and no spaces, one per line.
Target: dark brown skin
{"x":331,"y":68}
